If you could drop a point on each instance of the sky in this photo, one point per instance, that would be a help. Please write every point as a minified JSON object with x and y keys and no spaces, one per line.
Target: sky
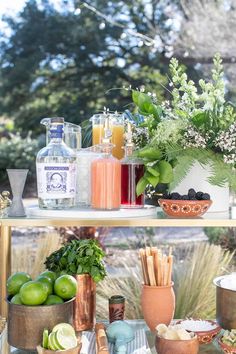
{"x":12,"y":6}
{"x":9,"y":7}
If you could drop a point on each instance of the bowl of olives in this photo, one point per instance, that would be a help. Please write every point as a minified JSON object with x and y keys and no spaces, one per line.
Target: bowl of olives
{"x":192,"y":204}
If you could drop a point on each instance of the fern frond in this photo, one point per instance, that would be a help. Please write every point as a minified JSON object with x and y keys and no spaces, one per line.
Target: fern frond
{"x":222,"y":174}
{"x":181,"y":169}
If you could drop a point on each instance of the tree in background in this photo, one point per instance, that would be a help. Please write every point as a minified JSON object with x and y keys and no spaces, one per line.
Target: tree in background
{"x":64,"y":62}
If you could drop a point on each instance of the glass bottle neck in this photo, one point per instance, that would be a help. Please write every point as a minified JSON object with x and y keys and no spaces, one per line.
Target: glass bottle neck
{"x":107,"y":149}
{"x":56,"y":133}
{"x":56,"y":141}
{"x":128,"y":151}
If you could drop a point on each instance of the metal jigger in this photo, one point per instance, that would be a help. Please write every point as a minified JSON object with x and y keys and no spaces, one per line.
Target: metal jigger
{"x":17,"y":178}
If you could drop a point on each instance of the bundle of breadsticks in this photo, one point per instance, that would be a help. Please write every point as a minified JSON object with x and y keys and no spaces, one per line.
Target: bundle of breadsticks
{"x":156,"y":266}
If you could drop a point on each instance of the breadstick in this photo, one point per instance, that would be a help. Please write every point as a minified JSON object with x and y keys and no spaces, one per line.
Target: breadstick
{"x":155,"y":261}
{"x":151,"y":271}
{"x":144,"y":267}
{"x":166,"y":269}
{"x":159,"y":274}
{"x":170,"y":266}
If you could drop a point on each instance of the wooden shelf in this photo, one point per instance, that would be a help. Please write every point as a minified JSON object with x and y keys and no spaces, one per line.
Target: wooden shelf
{"x":209,"y":220}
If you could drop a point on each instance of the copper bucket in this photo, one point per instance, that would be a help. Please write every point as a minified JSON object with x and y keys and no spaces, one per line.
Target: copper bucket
{"x":85,"y":303}
{"x":26,"y":323}
{"x":225,"y":305}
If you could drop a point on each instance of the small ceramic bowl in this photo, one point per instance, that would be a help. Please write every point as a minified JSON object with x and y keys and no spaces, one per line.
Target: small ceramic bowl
{"x":226,"y":348}
{"x":167,"y":346}
{"x":205,"y":337}
{"x":185,"y":208}
{"x":75,"y":350}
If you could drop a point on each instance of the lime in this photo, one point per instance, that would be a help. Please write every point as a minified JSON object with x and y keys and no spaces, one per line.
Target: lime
{"x":51,"y":342}
{"x":65,"y":326}
{"x":45,"y":338}
{"x":47,"y":282}
{"x":65,"y":339}
{"x":65,"y":286}
{"x":16,"y":300}
{"x":49,"y":274}
{"x":53,"y":300}
{"x":33,"y":293}
{"x":15,"y":282}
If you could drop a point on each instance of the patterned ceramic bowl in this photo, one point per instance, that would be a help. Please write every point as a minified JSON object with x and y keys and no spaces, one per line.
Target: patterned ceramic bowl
{"x":226,"y":348}
{"x":207,"y":336}
{"x":185,"y":208}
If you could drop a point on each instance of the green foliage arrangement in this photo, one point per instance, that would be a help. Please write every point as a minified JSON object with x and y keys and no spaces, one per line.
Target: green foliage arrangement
{"x":78,"y":257}
{"x":17,"y":152}
{"x":196,"y":124}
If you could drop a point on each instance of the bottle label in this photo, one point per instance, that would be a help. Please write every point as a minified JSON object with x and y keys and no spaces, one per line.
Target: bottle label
{"x":56,"y":132}
{"x":56,"y":181}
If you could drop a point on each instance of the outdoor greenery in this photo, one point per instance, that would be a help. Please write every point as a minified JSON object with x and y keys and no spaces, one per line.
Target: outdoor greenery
{"x":223,"y":236}
{"x":72,"y":60}
{"x":18,"y":153}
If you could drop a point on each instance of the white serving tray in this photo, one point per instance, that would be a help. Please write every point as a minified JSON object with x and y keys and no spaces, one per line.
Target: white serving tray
{"x":149,"y":211}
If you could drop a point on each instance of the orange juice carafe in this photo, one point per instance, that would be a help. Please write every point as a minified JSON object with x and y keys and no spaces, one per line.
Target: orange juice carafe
{"x":116,"y":127}
{"x":106,"y":176}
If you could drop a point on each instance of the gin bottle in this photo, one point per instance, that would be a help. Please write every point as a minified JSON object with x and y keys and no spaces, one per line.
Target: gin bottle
{"x":56,"y":171}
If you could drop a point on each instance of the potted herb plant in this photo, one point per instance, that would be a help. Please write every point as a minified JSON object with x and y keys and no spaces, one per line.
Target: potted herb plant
{"x":84,"y":260}
{"x":194,"y":132}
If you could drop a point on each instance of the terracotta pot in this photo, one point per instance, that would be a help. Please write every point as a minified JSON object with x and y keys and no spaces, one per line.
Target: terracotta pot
{"x":85,"y":303}
{"x":158,"y":305}
{"x":168,"y":346}
{"x":26,"y":323}
{"x":75,"y":350}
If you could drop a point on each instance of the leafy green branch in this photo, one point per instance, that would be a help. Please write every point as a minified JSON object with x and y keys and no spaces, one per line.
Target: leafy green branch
{"x":157,"y":169}
{"x":78,"y":257}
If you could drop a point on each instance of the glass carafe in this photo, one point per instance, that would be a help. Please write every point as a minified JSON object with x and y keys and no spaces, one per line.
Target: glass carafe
{"x":72,"y":133}
{"x":117,"y":129}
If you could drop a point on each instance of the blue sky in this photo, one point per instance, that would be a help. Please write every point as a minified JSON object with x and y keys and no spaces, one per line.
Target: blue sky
{"x":12,"y":6}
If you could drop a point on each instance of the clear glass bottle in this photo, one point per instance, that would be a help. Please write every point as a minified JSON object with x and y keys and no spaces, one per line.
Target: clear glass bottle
{"x":56,"y":171}
{"x":106,"y":175}
{"x":132,"y":169}
{"x":85,"y":157}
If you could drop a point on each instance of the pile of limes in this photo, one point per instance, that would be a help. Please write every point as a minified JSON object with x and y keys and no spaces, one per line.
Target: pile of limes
{"x":62,"y":337}
{"x":46,"y":289}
